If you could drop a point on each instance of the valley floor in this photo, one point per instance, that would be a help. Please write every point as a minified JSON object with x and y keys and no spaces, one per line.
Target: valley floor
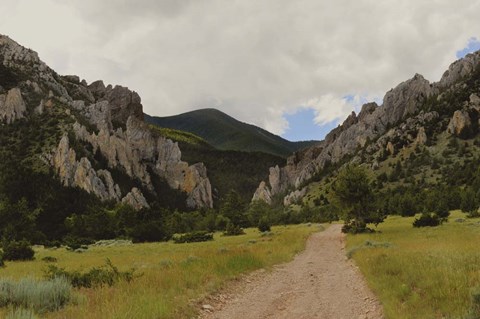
{"x":319,"y":283}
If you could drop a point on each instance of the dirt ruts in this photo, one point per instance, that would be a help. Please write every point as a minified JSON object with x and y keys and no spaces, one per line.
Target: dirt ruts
{"x":319,"y":283}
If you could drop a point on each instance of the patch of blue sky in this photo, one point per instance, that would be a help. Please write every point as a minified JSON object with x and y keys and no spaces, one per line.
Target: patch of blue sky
{"x":303,"y":128}
{"x":472,"y":46}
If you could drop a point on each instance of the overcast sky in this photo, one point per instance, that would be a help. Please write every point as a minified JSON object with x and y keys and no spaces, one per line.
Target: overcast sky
{"x":273,"y":63}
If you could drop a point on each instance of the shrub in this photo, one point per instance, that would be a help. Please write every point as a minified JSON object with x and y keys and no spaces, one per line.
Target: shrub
{"x":352,"y":228}
{"x":18,"y":250}
{"x":97,"y":276}
{"x":41,"y":296}
{"x":49,"y":259}
{"x":193,"y":237}
{"x":474,"y":312}
{"x":473,"y":214}
{"x":263,"y":225}
{"x":427,"y":220}
{"x":1,"y":259}
{"x":233,"y":230}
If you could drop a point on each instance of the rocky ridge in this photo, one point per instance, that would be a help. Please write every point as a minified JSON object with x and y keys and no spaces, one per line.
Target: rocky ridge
{"x":399,"y":121}
{"x":109,"y":119}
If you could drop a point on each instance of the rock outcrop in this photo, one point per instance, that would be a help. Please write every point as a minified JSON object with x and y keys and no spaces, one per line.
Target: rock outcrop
{"x":20,"y":63}
{"x":138,"y":153}
{"x":112,"y":123}
{"x":460,"y":123}
{"x":459,"y":69}
{"x":294,"y":197}
{"x":80,"y":173}
{"x":405,"y":99}
{"x":421,"y":138}
{"x":263,"y":193}
{"x":135,"y":199}
{"x":197,"y":185}
{"x":123,"y":102}
{"x":12,"y":106}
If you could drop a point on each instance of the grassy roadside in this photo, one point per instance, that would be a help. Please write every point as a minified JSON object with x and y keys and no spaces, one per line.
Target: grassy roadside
{"x":174,"y":275}
{"x":421,"y":272}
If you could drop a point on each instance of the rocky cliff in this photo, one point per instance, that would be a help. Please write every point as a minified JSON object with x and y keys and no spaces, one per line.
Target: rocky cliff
{"x":401,"y":120}
{"x":107,"y":119}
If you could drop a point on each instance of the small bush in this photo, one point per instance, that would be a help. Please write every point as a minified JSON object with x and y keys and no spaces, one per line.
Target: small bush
{"x":2,"y":263}
{"x":263,"y":225}
{"x":473,"y":214}
{"x":233,"y":230}
{"x":97,"y":276}
{"x":49,"y":259}
{"x":427,"y":220}
{"x":41,"y":296}
{"x":21,"y":313}
{"x":166,"y":263}
{"x":352,"y":228}
{"x":18,"y":250}
{"x":474,"y":312}
{"x":193,"y":237}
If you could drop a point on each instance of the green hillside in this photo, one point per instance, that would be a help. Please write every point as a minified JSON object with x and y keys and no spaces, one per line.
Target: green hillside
{"x":226,"y":133}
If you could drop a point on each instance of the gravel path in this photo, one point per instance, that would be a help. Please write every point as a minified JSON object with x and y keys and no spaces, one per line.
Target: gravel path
{"x":319,"y":283}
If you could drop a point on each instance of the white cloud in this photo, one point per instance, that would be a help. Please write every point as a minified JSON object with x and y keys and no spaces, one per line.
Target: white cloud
{"x":256,"y":60}
{"x":329,"y":108}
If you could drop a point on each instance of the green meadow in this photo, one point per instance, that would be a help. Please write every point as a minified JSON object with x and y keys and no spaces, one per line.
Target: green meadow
{"x":426,"y":272}
{"x":173,"y":277}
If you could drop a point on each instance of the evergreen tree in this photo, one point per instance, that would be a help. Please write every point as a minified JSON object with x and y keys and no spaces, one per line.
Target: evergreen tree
{"x":353,"y":195}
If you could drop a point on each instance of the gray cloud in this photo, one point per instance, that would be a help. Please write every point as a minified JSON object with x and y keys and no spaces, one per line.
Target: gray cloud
{"x":255,"y":60}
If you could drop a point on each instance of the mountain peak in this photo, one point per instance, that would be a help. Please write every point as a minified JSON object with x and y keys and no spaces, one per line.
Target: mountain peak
{"x":226,"y":133}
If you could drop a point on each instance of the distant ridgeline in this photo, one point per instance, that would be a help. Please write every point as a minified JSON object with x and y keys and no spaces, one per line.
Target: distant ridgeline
{"x":226,"y":133}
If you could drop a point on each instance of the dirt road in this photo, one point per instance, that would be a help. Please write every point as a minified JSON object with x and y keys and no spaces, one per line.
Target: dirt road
{"x":319,"y":283}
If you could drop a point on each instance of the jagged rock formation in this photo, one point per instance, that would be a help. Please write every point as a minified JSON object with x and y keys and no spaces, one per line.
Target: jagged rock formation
{"x":421,"y":136}
{"x":263,"y":193}
{"x":80,"y":173}
{"x":135,"y":150}
{"x":135,"y":199}
{"x":111,"y":122}
{"x":460,"y":123}
{"x":12,"y":106}
{"x":375,"y":128}
{"x":294,"y":197}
